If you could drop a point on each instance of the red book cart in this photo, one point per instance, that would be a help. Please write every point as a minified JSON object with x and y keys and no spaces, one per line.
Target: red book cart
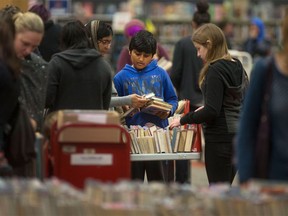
{"x":88,"y":150}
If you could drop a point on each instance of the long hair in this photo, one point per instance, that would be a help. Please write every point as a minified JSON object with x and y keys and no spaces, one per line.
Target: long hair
{"x":74,"y":36}
{"x":211,"y":37}
{"x":7,"y":51}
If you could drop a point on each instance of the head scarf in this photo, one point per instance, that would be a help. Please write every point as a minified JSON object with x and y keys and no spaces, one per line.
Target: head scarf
{"x":260,"y":25}
{"x":94,"y":29}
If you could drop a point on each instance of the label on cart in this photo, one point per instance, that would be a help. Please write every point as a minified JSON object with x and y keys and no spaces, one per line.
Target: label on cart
{"x":94,"y":118}
{"x":91,"y":159}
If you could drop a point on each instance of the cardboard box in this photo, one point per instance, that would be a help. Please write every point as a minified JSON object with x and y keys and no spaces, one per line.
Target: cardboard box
{"x":87,"y":133}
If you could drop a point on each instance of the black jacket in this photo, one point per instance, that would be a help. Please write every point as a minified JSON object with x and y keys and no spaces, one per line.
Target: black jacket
{"x":78,"y":79}
{"x":223,"y":91}
{"x":9,"y":93}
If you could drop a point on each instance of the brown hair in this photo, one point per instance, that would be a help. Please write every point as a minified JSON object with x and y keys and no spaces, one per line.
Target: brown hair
{"x":201,"y":16}
{"x":7,"y":51}
{"x":211,"y":37}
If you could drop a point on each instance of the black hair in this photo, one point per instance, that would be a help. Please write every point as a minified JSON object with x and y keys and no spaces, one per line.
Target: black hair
{"x":74,"y":36}
{"x":104,"y":30}
{"x":143,"y":41}
{"x":201,"y":16}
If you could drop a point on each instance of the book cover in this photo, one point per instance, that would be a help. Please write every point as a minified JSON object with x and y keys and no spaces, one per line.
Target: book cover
{"x":189,"y":140}
{"x":182,"y":139}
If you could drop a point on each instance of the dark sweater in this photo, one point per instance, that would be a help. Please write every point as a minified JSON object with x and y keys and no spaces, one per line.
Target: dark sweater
{"x":78,"y":79}
{"x":50,"y":43}
{"x":223,"y":91}
{"x":185,"y":72}
{"x":9,"y":93}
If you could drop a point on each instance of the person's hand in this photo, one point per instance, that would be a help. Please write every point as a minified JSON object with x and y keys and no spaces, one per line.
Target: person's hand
{"x":175,"y":123}
{"x":33,"y":123}
{"x":138,"y":101}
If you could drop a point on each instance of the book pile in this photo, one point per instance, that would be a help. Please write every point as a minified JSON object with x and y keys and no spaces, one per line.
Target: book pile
{"x":153,"y":140}
{"x":153,"y":106}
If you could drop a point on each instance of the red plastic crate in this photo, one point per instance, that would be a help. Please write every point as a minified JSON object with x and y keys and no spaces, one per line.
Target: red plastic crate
{"x":98,"y":158}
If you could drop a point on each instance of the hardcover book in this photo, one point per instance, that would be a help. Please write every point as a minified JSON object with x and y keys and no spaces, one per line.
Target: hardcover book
{"x":153,"y":106}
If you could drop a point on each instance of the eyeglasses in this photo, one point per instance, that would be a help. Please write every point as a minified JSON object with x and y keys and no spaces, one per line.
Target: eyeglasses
{"x":105,"y":42}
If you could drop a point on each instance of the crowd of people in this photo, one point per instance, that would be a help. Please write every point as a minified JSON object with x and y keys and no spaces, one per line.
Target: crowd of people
{"x":46,"y":67}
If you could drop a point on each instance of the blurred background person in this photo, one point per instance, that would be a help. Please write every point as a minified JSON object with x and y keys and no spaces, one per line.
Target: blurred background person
{"x":257,"y":44}
{"x":228,"y":30}
{"x":79,"y":76}
{"x":50,"y":43}
{"x":184,"y":75}
{"x":268,"y":91}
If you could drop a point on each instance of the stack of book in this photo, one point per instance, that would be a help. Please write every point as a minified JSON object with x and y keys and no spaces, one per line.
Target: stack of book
{"x":153,"y":140}
{"x":153,"y":106}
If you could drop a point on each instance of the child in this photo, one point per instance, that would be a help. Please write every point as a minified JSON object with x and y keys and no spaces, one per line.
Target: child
{"x":143,"y":77}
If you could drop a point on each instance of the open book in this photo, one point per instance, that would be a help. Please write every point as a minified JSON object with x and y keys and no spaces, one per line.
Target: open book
{"x":153,"y":106}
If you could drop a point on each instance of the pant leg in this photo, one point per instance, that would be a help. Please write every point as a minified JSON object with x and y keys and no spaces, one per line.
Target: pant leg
{"x":137,"y":170}
{"x":154,"y":171}
{"x":218,"y":162}
{"x":168,"y":170}
{"x":182,"y":171}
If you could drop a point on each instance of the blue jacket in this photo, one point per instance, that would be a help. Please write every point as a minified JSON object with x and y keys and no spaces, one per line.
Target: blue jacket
{"x":249,"y":124}
{"x":151,"y":79}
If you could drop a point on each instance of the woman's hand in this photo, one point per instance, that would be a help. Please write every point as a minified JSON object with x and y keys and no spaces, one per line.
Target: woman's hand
{"x":175,"y":123}
{"x":138,"y":101}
